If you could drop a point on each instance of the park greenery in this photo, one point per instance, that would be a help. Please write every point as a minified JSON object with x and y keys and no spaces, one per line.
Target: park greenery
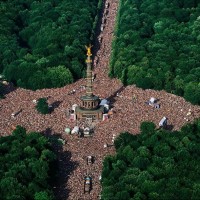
{"x":157,"y":46}
{"x":42,"y":43}
{"x":156,"y":164}
{"x":26,"y":166}
{"x":42,"y":106}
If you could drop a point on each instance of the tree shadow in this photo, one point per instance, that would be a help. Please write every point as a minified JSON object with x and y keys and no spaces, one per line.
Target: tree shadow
{"x":97,"y":32}
{"x":54,"y":105}
{"x":114,"y":95}
{"x":63,"y":166}
{"x":169,"y":127}
{"x":6,"y":89}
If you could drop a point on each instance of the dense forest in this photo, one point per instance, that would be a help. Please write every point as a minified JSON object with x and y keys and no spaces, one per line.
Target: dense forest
{"x":26,"y":166}
{"x":156,"y":164}
{"x":42,"y":43}
{"x":157,"y":46}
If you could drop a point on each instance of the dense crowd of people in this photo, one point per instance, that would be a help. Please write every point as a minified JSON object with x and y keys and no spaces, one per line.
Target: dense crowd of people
{"x":129,"y":110}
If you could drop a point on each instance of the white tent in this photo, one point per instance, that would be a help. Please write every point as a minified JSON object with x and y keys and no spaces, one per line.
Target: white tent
{"x":103,"y":102}
{"x":74,"y":107}
{"x":163,"y":122}
{"x":152,"y":100}
{"x":75,"y":130}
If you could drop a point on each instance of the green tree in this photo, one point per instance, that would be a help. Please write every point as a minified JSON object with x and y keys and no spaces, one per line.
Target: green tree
{"x":192,"y":92}
{"x":42,"y":106}
{"x":58,"y":76}
{"x":26,"y":166}
{"x":159,"y":50}
{"x":147,"y":128}
{"x":166,"y":168}
{"x":38,"y":37}
{"x":42,"y":196}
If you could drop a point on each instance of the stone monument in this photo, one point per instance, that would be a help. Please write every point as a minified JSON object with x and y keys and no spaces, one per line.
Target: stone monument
{"x":90,"y":108}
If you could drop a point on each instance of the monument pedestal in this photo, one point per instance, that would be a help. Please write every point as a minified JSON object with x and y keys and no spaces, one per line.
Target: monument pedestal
{"x":83,"y":114}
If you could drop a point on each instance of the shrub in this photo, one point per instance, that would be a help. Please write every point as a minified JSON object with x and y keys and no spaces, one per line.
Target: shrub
{"x":42,"y":106}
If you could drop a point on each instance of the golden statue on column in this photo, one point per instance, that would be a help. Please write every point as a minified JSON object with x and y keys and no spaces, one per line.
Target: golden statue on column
{"x":89,"y":50}
{"x":90,"y":108}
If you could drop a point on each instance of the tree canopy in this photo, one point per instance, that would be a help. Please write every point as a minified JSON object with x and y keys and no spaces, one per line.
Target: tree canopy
{"x":45,"y":40}
{"x":25,"y":165}
{"x":156,"y":164}
{"x":42,"y":106}
{"x":157,"y":46}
